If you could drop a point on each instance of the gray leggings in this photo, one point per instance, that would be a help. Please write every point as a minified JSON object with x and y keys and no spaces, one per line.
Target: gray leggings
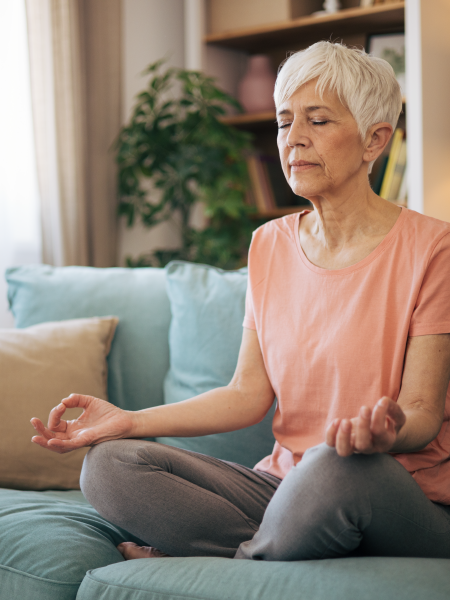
{"x":189,"y":504}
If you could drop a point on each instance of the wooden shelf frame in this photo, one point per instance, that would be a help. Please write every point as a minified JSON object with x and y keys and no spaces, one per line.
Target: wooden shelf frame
{"x":374,"y":19}
{"x":250,"y":119}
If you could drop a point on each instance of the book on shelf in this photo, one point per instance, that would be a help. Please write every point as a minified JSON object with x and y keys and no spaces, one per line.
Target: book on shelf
{"x":397,"y":177}
{"x":259,"y":187}
{"x":403,"y":192}
{"x":390,"y":178}
{"x":269,"y":188}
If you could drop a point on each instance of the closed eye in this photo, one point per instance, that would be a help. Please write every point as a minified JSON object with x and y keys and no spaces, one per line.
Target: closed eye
{"x":313,"y":122}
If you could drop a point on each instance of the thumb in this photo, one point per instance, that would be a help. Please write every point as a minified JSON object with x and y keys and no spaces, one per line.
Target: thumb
{"x":396,"y":413}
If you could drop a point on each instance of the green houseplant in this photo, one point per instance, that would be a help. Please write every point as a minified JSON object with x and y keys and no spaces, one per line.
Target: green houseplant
{"x":176,"y":141}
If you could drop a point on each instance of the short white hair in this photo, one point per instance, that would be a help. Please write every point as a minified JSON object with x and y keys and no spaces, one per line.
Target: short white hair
{"x":365,"y":84}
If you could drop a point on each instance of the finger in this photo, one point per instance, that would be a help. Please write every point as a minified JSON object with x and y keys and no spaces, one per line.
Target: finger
{"x":41,"y":429}
{"x":43,"y":442}
{"x":77,"y":401}
{"x":363,"y":436}
{"x":54,"y":418}
{"x":343,"y":443}
{"x":332,"y":430}
{"x":378,"y":421}
{"x":80,"y":441}
{"x":39,"y":440}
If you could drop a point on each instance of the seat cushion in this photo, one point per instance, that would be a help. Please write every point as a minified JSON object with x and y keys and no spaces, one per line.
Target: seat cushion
{"x":139,"y":357}
{"x":48,"y":540}
{"x":225,"y":579}
{"x":207,"y":306}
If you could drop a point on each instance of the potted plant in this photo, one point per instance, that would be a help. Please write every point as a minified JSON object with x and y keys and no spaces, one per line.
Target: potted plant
{"x":176,"y":141}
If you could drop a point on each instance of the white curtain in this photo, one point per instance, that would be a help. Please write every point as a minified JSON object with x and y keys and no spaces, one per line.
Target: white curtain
{"x":20,"y":240}
{"x":59,"y":128}
{"x":75,"y":86}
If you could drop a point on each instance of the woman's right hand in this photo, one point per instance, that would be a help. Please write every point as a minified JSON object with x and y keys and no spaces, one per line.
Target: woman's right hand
{"x":100,"y":422}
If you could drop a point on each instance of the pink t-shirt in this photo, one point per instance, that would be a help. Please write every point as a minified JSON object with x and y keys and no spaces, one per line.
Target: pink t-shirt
{"x":334,"y":340}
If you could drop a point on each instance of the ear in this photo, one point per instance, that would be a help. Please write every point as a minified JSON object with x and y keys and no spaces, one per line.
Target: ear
{"x":377,"y":139}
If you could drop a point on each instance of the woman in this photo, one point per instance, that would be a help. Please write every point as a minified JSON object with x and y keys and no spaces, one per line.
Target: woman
{"x":347,"y":323}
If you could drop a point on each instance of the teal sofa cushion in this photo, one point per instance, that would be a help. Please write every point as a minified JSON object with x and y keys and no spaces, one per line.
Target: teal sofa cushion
{"x":207,"y":306}
{"x":227,"y":579}
{"x":139,"y":357}
{"x":48,"y":540}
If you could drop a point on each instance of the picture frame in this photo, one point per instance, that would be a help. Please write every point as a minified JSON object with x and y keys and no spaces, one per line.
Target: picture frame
{"x":390,"y":47}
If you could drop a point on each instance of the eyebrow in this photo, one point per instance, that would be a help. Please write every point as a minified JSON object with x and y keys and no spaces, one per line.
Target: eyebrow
{"x":307,"y":109}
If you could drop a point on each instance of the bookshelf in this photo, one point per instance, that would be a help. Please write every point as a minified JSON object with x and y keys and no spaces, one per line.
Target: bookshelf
{"x":383,"y":18}
{"x":351,"y":24}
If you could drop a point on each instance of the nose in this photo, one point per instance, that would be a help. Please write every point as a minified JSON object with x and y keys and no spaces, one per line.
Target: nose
{"x":297,"y":135}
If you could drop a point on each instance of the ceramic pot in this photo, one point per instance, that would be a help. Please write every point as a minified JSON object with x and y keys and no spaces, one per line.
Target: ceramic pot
{"x":331,"y":6}
{"x":255,"y":91}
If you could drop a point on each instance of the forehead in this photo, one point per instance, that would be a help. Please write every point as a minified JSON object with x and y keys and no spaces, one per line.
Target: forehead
{"x":307,"y":99}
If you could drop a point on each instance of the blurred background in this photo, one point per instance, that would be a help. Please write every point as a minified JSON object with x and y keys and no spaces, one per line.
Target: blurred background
{"x":106,"y":163}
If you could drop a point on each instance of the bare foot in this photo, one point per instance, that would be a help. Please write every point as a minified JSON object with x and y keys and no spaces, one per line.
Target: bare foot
{"x":130,"y":550}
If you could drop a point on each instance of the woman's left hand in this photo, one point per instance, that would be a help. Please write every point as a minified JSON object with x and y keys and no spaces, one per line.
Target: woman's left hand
{"x":373,"y":430}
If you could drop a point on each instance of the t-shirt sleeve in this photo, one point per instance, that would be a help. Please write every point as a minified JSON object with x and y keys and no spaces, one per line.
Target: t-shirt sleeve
{"x":432,"y":312}
{"x":249,"y":318}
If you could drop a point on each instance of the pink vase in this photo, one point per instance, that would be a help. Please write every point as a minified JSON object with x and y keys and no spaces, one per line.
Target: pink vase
{"x":255,"y":91}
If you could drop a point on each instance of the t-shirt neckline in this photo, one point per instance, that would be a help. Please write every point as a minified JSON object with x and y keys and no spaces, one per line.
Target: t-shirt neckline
{"x":360,"y":264}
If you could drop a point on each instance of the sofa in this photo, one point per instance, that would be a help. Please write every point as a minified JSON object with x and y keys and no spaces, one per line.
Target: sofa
{"x":178,"y":335}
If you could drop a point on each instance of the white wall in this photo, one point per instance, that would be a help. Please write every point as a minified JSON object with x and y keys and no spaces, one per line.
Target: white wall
{"x":427,"y":114}
{"x":435,"y":42}
{"x":151,"y":29}
{"x":20,"y":241}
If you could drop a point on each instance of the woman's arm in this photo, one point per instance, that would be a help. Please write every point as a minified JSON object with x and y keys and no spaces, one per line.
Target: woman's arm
{"x":425,"y":381}
{"x":243,"y":402}
{"x":412,"y":422}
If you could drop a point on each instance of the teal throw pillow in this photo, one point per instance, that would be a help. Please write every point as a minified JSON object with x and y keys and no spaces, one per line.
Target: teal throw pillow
{"x":207,"y":306}
{"x":139,"y":357}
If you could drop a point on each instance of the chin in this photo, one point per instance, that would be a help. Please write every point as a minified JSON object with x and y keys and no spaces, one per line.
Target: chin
{"x":306,"y":191}
{"x":305,"y":188}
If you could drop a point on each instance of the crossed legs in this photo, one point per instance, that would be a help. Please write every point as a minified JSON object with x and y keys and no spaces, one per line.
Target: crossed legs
{"x":188,"y":504}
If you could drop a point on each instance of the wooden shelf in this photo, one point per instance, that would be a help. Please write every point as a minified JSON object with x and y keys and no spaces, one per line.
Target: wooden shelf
{"x":252,"y":120}
{"x":374,"y":19}
{"x":278,"y":212}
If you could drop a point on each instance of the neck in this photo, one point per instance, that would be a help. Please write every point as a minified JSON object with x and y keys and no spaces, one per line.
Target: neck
{"x":341,"y":218}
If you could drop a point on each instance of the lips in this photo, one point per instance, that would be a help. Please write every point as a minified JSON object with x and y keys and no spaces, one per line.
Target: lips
{"x":302,"y":166}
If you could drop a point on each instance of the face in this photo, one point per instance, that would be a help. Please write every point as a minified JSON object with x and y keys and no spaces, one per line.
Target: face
{"x":319,"y":143}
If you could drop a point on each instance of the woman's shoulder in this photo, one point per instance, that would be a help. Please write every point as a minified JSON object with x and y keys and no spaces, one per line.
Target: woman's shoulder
{"x":281,"y":228}
{"x":425,"y":241}
{"x":426,"y":230}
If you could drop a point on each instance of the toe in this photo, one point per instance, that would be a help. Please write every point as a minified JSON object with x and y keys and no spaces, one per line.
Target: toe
{"x":131,"y":551}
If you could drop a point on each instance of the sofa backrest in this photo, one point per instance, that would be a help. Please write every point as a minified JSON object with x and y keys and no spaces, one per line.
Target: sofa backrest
{"x":206,"y":329}
{"x":139,"y":358}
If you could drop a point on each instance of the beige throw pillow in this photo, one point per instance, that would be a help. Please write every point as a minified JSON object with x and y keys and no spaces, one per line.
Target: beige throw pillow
{"x":39,"y":366}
